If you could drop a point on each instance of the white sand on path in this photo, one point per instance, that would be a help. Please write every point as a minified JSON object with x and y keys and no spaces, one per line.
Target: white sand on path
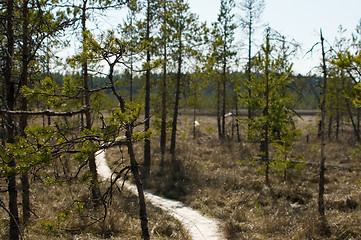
{"x":199,"y":226}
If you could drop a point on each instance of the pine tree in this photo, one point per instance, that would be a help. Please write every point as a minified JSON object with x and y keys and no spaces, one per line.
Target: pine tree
{"x":272,"y":124}
{"x":185,"y":25}
{"x":252,"y":10}
{"x":224,"y":53}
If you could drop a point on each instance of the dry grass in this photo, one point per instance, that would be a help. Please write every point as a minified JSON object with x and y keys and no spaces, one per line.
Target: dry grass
{"x":220,"y":180}
{"x":63,"y":210}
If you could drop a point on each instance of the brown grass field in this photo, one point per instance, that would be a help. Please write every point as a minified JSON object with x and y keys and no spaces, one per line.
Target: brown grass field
{"x":221,"y":180}
{"x":62,"y":209}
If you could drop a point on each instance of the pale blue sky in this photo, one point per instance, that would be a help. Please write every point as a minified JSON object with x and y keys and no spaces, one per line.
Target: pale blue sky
{"x":297,"y":19}
{"x":300,"y":20}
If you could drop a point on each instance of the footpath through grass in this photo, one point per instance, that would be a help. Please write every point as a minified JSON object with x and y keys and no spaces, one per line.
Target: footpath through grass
{"x":221,"y":180}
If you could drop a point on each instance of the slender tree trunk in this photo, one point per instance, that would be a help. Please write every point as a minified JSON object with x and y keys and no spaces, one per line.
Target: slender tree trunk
{"x":266,"y":111}
{"x":131,"y":80}
{"x":354,"y":125}
{"x":163,"y":132}
{"x":25,"y":197}
{"x":24,"y":106}
{"x":237,"y":115}
{"x":9,"y":86}
{"x":176,"y":104}
{"x":358,"y":121}
{"x":249,"y":68}
{"x":337,"y":124}
{"x":219,"y":110}
{"x":321,"y":204}
{"x":48,"y":74}
{"x":147,"y":159}
{"x":88,"y":121}
{"x":138,"y":182}
{"x":224,"y":80}
{"x":337,"y":114}
{"x":194,"y":116}
{"x":330,"y":123}
{"x":133,"y":163}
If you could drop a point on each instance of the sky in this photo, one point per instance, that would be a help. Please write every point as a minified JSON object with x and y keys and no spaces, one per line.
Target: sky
{"x":300,"y":20}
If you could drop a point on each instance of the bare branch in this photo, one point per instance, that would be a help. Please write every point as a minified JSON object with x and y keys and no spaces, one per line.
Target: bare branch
{"x":43,"y":113}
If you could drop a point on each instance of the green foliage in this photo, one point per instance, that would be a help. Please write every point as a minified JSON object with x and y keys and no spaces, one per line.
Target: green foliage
{"x":59,"y":96}
{"x":47,"y":225}
{"x":272,"y":122}
{"x":283,"y":160}
{"x":357,"y":100}
{"x":49,"y":180}
{"x":78,"y":205}
{"x":31,"y":151}
{"x":61,"y":217}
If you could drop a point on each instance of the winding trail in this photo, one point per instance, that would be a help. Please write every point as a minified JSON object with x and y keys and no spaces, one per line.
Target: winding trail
{"x":199,"y":226}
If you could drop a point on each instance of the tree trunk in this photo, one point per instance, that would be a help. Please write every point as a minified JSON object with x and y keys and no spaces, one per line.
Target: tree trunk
{"x":330,"y":123}
{"x":224,"y":80}
{"x":138,"y":182}
{"x":131,"y":80}
{"x":249,"y":68}
{"x":321,"y":204}
{"x":337,"y":124}
{"x":337,"y":114}
{"x":266,"y":111}
{"x":146,"y":164}
{"x":176,"y":104}
{"x":133,"y":163}
{"x":354,"y":125}
{"x":9,"y":87}
{"x":163,"y":132}
{"x":237,"y":115}
{"x":358,"y":121}
{"x":25,"y":197}
{"x":219,"y":110}
{"x":24,"y":107}
{"x":194,"y":116}
{"x":88,"y":121}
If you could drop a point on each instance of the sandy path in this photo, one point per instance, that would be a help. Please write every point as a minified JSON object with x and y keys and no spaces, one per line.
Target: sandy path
{"x":199,"y":226}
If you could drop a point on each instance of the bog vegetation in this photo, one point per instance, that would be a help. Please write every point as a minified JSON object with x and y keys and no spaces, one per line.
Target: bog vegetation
{"x":272,"y":154}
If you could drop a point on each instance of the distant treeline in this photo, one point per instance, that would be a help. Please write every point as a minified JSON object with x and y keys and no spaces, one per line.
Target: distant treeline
{"x":304,"y":89}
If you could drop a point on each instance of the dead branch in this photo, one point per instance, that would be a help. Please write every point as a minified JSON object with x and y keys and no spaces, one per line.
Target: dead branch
{"x":43,"y":113}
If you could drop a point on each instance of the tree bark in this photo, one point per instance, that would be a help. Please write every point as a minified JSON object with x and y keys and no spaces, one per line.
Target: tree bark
{"x":354,"y":125}
{"x":9,"y":87}
{"x":266,"y":111}
{"x":321,"y":204}
{"x":224,"y":81}
{"x":163,"y":132}
{"x":176,"y":107}
{"x":24,"y":107}
{"x":219,"y":110}
{"x":224,"y":102}
{"x":88,"y":121}
{"x":147,"y":157}
{"x":194,"y":116}
{"x":249,"y":67}
{"x":133,"y":163}
{"x":237,"y":115}
{"x":25,"y":197}
{"x":176,"y":104}
{"x":138,"y":182}
{"x":330,"y":123}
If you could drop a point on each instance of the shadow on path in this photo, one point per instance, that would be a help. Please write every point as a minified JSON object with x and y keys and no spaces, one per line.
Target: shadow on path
{"x":199,"y":226}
